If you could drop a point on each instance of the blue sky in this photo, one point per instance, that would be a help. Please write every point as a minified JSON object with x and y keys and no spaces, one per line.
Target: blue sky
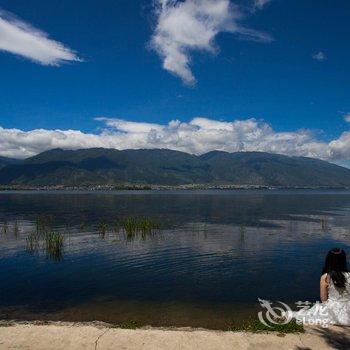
{"x":284,"y":63}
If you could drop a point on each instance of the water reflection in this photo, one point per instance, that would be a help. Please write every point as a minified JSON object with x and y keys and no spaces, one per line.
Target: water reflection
{"x":65,"y":256}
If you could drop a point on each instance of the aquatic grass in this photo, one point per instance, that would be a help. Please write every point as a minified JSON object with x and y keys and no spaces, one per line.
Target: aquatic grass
{"x":255,"y":326}
{"x":134,"y":227}
{"x":324,"y":224}
{"x":51,"y":242}
{"x":242,"y":229}
{"x":5,"y":227}
{"x":130,"y":226}
{"x":116,"y":226}
{"x":53,"y":245}
{"x":102,"y":228}
{"x":16,"y":229}
{"x":38,"y":225}
{"x":33,"y":242}
{"x":147,"y":226}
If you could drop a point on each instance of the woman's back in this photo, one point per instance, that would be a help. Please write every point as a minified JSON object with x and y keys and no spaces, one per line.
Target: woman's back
{"x":339,"y":294}
{"x":334,"y":293}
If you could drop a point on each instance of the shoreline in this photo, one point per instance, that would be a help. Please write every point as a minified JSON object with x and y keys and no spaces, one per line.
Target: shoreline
{"x":159,"y":189}
{"x":39,"y":335}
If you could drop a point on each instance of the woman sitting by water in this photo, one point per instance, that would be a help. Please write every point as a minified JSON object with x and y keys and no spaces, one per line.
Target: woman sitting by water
{"x":334,"y":292}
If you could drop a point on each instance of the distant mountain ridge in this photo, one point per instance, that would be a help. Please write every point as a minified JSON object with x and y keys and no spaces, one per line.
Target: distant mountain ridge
{"x":100,"y":166}
{"x":5,"y":161}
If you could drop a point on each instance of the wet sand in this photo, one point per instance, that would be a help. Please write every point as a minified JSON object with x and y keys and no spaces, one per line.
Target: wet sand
{"x":95,"y":335}
{"x":218,"y":316}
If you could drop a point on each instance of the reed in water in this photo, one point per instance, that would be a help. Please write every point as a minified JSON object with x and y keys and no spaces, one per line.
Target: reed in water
{"x":143,"y":227}
{"x":53,"y":245}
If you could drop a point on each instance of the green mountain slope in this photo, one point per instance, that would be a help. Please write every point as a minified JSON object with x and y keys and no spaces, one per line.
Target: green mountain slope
{"x":166,"y":167}
{"x":274,"y":169}
{"x":6,"y":161}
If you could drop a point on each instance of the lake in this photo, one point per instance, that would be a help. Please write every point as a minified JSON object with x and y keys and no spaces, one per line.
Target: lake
{"x":212,"y":255}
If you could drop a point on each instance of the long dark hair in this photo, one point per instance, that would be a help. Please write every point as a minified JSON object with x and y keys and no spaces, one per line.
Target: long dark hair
{"x":335,"y":265}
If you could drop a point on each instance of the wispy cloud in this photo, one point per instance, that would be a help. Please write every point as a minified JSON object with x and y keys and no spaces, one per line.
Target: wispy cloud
{"x":192,"y":25}
{"x":259,"y":4}
{"x":347,"y":117}
{"x":198,"y":136}
{"x":20,"y":38}
{"x":319,"y":56}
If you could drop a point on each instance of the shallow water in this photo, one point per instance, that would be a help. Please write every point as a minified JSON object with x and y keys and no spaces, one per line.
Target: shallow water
{"x":216,"y":253}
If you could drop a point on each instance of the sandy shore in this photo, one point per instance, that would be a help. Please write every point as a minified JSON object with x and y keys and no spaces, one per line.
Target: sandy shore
{"x":77,"y":336}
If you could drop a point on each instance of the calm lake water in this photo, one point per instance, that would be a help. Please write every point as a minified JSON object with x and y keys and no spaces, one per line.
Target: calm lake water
{"x":215,"y":254}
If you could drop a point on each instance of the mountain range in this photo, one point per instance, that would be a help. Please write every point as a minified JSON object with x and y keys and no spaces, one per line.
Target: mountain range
{"x":6,"y":161}
{"x":100,"y":166}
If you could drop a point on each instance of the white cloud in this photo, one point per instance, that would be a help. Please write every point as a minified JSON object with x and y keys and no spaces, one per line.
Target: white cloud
{"x":192,"y":25}
{"x":198,"y":136}
{"x":20,"y":38}
{"x":347,"y":117}
{"x":319,"y":56}
{"x":341,"y":147}
{"x":259,"y":4}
